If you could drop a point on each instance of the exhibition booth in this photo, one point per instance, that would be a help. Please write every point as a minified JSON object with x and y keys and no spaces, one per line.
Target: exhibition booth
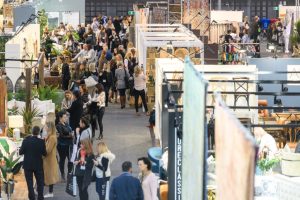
{"x":184,"y":130}
{"x":164,"y":41}
{"x":172,"y":69}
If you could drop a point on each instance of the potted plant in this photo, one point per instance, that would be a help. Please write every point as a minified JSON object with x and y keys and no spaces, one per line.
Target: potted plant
{"x":28,"y":116}
{"x":9,"y":166}
{"x":295,"y":40}
{"x":267,"y":164}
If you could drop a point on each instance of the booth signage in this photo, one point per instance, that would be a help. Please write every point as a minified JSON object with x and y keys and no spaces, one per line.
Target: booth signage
{"x":130,"y":12}
{"x":178,"y":167}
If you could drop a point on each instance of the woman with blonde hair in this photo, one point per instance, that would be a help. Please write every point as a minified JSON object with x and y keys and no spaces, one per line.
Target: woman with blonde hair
{"x":103,"y":172}
{"x":139,"y":89}
{"x":83,"y":167}
{"x":50,"y":163}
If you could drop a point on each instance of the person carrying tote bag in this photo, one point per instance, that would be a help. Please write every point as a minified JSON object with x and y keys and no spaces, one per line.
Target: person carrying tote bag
{"x":84,"y":167}
{"x":102,"y":167}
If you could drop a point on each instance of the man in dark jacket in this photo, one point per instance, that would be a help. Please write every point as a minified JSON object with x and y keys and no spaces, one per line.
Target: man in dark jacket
{"x":125,"y":186}
{"x":33,"y":149}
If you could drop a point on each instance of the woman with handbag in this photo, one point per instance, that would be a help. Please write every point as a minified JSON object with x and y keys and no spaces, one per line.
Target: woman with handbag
{"x":83,"y":168}
{"x":122,"y":77}
{"x":50,"y":162}
{"x":103,"y":172}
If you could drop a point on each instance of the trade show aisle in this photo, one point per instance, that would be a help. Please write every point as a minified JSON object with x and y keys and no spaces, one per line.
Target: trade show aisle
{"x":127,"y":137}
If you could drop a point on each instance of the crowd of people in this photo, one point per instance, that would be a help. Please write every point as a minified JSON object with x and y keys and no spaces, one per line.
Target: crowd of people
{"x":249,"y":35}
{"x":105,"y":67}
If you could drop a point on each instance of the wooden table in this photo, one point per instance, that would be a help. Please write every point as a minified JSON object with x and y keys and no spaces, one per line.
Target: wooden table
{"x":289,"y":117}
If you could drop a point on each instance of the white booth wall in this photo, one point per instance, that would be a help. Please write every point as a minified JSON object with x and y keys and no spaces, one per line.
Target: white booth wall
{"x":159,"y":35}
{"x":167,"y":64}
{"x":25,"y":45}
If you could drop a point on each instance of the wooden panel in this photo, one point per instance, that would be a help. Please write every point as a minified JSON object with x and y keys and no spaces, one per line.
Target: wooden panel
{"x":3,"y":109}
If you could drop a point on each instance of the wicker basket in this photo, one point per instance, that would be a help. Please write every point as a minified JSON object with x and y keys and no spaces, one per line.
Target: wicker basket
{"x":290,"y":164}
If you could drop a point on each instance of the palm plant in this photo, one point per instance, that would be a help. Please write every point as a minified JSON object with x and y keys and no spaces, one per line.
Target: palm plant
{"x":9,"y":162}
{"x":28,"y":116}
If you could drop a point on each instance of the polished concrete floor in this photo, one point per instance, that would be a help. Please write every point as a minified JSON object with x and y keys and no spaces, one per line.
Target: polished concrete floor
{"x":127,"y":136}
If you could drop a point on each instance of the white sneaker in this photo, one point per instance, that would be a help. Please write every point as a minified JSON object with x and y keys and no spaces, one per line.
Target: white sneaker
{"x":49,"y":195}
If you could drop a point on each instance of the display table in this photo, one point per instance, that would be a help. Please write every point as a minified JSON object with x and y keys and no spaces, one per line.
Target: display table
{"x":277,"y":187}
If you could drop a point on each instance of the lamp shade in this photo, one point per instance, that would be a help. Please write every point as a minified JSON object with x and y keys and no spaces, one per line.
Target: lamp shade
{"x":15,"y":121}
{"x":20,"y":83}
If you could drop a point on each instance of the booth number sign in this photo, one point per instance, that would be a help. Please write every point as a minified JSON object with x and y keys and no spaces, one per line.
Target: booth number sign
{"x":178,"y":169}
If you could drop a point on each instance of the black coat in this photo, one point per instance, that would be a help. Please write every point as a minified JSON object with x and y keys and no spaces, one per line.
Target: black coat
{"x":76,"y":111}
{"x":87,"y":173}
{"x":106,"y":79}
{"x":64,"y":134}
{"x":33,"y":149}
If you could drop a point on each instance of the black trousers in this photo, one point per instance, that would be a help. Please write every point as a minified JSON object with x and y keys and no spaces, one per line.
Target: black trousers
{"x":51,"y":188}
{"x":142,"y":94}
{"x":64,"y":152}
{"x":83,"y":193}
{"x":100,"y":119}
{"x":65,"y":84}
{"x":39,"y":176}
{"x":106,"y":94}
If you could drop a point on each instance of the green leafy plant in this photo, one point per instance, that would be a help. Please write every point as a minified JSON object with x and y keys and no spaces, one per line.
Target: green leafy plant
{"x":43,"y":21}
{"x":8,"y":161}
{"x":75,"y":37}
{"x":51,"y":93}
{"x":295,"y":37}
{"x":20,"y":96}
{"x":13,"y":111}
{"x":28,"y":116}
{"x":267,"y":164}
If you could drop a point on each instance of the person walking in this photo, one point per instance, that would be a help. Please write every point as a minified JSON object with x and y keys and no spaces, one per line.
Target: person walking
{"x":83,"y":168}
{"x":76,"y":110}
{"x":50,"y":162}
{"x":125,"y":186}
{"x":106,"y":79}
{"x":33,"y":148}
{"x":139,"y":89}
{"x":101,"y":108}
{"x":148,"y":179}
{"x":120,"y":74}
{"x":103,"y":172}
{"x":65,"y":141}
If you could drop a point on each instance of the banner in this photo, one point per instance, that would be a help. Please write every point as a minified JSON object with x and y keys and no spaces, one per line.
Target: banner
{"x":235,"y":156}
{"x":194,"y":134}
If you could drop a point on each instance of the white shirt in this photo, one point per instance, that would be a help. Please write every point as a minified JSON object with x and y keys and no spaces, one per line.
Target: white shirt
{"x":150,"y":186}
{"x":268,"y":141}
{"x":139,"y":82}
{"x":91,"y":55}
{"x":99,"y":98}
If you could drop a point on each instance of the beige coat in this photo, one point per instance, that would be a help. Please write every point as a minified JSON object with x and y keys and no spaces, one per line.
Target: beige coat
{"x":50,"y":164}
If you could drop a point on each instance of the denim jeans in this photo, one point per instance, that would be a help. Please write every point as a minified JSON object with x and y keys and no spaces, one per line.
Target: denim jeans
{"x":101,"y":187}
